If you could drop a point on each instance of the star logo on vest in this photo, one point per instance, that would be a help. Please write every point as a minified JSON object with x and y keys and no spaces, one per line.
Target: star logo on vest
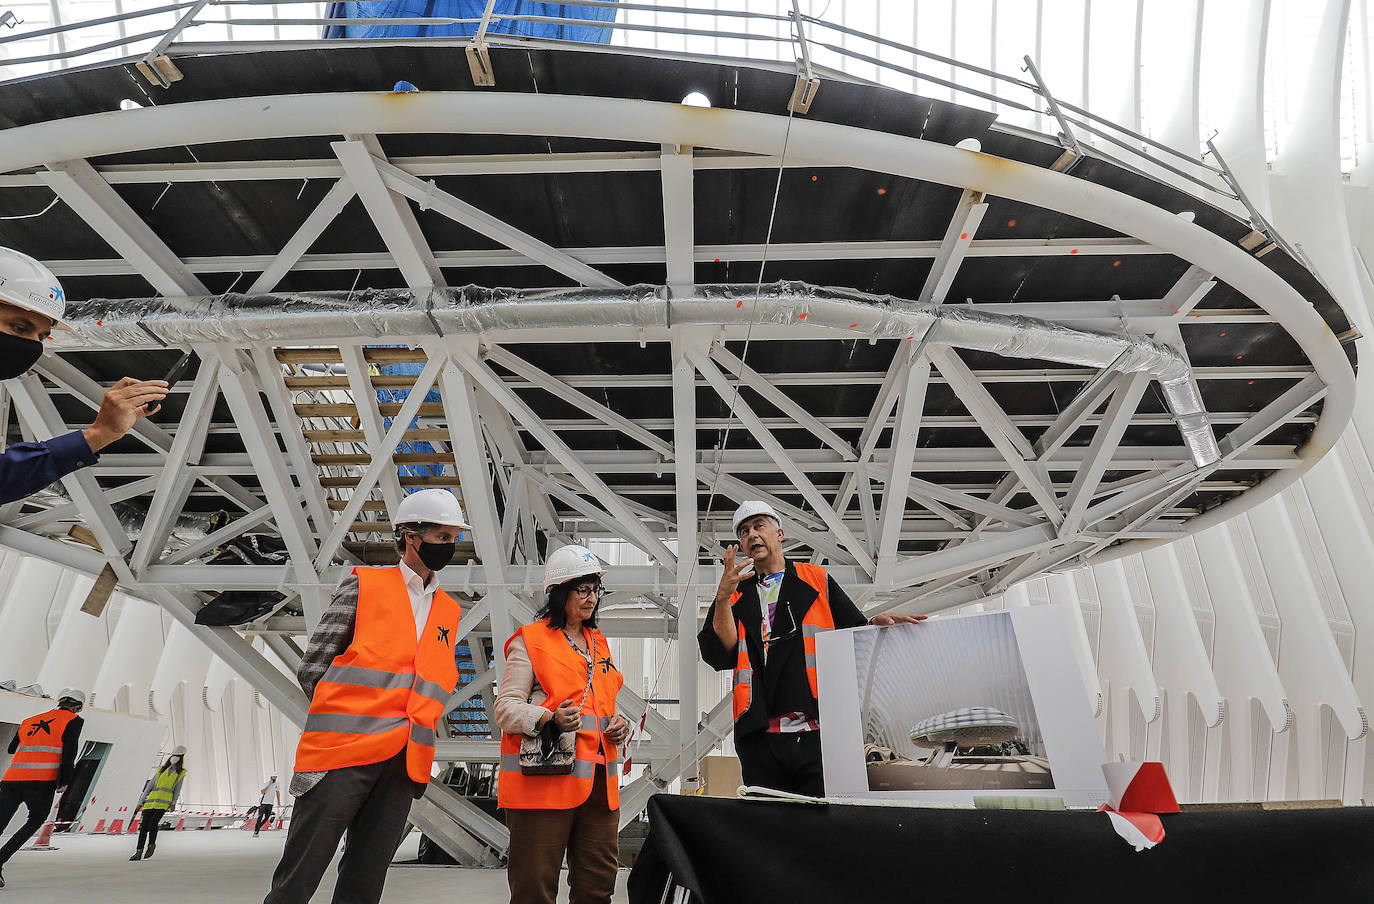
{"x":605,"y":663}
{"x":44,"y":724}
{"x":443,"y":635}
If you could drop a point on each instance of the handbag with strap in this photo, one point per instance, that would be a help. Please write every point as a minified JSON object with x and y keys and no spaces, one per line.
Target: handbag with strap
{"x":552,"y":752}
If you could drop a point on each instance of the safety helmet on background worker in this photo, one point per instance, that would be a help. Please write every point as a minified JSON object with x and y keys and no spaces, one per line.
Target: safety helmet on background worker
{"x":431,"y":507}
{"x":752,"y":508}
{"x":570,"y":562}
{"x":27,"y":284}
{"x":178,"y":750}
{"x":72,"y":694}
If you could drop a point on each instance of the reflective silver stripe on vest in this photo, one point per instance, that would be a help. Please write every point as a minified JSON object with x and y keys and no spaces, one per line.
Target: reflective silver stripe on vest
{"x":34,"y":748}
{"x":433,"y":690}
{"x":50,"y":766}
{"x":584,"y":769}
{"x":594,"y":723}
{"x":810,"y":630}
{"x":421,"y":734}
{"x":346,"y":723}
{"x":810,"y":660}
{"x":363,"y":677}
{"x":744,"y":676}
{"x":510,"y":762}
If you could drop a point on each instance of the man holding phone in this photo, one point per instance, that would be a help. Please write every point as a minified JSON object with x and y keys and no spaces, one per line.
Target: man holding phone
{"x":763,"y":624}
{"x":31,"y":307}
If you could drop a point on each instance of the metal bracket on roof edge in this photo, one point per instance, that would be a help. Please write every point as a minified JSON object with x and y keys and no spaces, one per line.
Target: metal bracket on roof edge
{"x":479,"y":60}
{"x":804,"y":91}
{"x":1067,"y":140}
{"x":159,"y":71}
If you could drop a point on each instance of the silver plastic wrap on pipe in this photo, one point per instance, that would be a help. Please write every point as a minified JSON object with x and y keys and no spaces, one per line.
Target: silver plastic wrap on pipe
{"x":391,"y":314}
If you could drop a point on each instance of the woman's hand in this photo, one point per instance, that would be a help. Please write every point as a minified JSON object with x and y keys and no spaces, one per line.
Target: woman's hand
{"x":567,"y":717}
{"x":618,"y":731}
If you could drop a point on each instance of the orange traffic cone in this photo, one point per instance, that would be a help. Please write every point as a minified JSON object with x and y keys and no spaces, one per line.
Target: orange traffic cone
{"x":44,"y":840}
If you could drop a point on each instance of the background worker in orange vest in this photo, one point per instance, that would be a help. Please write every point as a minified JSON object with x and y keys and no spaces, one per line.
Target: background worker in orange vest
{"x":378,"y":670}
{"x":45,"y":750}
{"x":560,"y":678}
{"x":778,"y":607}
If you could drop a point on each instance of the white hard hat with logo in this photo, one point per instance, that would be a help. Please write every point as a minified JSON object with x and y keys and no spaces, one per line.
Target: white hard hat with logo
{"x":752,"y":508}
{"x":431,"y":507}
{"x":72,"y":693}
{"x":178,"y":751}
{"x":568,"y":562}
{"x":25,"y":283}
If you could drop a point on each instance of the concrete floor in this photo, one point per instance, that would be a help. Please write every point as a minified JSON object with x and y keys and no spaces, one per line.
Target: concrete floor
{"x":225,"y":866}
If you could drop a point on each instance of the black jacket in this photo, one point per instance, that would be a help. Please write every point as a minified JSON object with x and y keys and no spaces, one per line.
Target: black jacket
{"x":71,"y":746}
{"x":780,"y":684}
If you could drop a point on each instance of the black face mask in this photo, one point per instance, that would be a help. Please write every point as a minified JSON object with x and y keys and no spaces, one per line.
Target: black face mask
{"x":17,"y":355}
{"x":436,"y":555}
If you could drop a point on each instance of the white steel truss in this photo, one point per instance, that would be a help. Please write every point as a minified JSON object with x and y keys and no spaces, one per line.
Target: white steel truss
{"x":984,"y":515}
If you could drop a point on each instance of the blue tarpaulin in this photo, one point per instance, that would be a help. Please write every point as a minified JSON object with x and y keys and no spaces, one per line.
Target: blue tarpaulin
{"x":469,"y":9}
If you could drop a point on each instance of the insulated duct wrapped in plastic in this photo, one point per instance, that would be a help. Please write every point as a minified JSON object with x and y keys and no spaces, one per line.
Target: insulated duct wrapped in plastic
{"x":395,"y":315}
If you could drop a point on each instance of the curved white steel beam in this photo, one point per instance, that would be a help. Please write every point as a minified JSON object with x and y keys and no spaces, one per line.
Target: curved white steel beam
{"x":819,"y":143}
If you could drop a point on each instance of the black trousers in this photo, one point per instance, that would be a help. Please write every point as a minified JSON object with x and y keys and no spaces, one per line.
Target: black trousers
{"x":370,"y":803}
{"x":264,"y":814}
{"x":37,"y":796}
{"x":784,"y":761}
{"x":147,"y":827}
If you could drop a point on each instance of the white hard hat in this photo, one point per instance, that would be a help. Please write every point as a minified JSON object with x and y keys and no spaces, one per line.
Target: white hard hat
{"x":72,"y":693}
{"x":752,"y":508}
{"x":178,"y":751}
{"x":431,"y":507}
{"x":25,"y":283}
{"x":568,"y":562}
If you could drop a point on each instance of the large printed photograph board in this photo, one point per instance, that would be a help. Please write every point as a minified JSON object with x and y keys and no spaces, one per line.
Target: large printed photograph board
{"x":959,"y":707}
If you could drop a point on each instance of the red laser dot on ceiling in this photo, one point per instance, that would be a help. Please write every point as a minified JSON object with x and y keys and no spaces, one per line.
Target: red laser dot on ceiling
{"x":803,"y":315}
{"x":1223,"y":334}
{"x":1238,"y":357}
{"x":1011,"y":222}
{"x":739,"y":304}
{"x":1073,"y":250}
{"x":853,"y":325}
{"x":1251,"y":383}
{"x":813,"y":178}
{"x":1116,"y":263}
{"x":882,"y":191}
{"x":717,"y":260}
{"x":963,"y":235}
{"x":100,"y":323}
{"x":911,"y":337}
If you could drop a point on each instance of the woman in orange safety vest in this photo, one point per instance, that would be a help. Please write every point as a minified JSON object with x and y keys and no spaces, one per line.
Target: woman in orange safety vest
{"x":559,"y":678}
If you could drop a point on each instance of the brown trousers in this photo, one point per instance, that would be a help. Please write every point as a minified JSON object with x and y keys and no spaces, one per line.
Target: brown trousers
{"x":589,"y":834}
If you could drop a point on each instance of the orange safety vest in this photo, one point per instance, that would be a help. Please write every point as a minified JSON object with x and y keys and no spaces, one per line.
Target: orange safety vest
{"x":39,"y":755}
{"x":818,"y":618}
{"x":562,"y":673}
{"x":387,"y":690}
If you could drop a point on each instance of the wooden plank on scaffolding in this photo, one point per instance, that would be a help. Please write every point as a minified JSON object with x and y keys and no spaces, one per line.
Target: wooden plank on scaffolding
{"x":348,"y":409}
{"x":371,"y":505}
{"x":339,"y":381}
{"x":325,"y":459}
{"x":425,"y":481}
{"x":323,"y":355}
{"x":416,"y":435}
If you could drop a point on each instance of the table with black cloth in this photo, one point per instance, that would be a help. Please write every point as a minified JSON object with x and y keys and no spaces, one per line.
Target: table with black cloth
{"x":725,"y":850}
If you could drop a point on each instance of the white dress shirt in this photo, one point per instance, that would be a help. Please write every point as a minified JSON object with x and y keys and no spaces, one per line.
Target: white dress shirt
{"x":421,"y":595}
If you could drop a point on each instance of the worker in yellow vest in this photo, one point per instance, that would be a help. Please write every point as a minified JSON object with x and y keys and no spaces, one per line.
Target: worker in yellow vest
{"x":160,"y":794}
{"x":763,"y":625}
{"x":378,"y":670}
{"x":559,"y":690}
{"x":44,"y":749}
